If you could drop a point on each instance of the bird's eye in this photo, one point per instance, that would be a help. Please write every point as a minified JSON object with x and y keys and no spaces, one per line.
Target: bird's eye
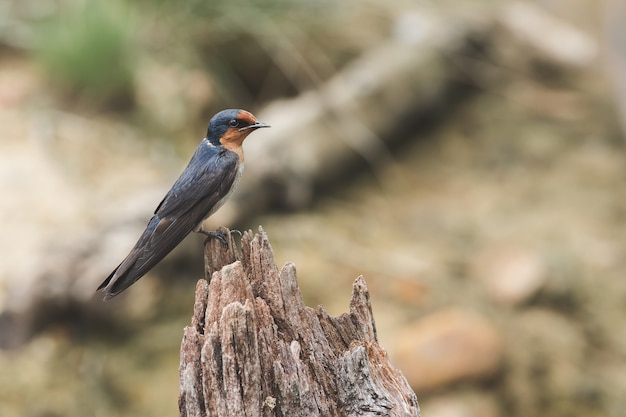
{"x":233,"y":123}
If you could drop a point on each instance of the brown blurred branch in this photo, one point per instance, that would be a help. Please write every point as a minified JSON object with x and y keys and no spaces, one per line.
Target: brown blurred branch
{"x":254,"y":348}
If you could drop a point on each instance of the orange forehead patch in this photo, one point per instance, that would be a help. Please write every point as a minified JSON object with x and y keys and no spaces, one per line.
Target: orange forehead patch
{"x":246,"y":117}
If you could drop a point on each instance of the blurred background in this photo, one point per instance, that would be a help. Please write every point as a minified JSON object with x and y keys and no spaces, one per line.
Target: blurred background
{"x":466,"y":158}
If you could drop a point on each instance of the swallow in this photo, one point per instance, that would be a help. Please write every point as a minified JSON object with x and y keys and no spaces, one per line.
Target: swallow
{"x":209,"y":179}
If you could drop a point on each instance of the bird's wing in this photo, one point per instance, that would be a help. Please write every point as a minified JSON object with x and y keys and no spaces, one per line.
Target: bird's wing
{"x":206,"y":180}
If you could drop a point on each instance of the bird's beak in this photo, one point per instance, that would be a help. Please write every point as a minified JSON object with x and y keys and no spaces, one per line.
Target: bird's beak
{"x":255,"y":125}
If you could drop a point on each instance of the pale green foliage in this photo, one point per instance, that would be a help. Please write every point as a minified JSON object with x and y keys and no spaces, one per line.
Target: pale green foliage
{"x":87,"y":50}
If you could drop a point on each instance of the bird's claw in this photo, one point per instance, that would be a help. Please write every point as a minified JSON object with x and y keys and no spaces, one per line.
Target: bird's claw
{"x":214,"y":235}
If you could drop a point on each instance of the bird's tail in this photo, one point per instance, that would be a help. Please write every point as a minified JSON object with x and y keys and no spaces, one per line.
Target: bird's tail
{"x":112,"y":287}
{"x":135,"y":265}
{"x":159,"y":238}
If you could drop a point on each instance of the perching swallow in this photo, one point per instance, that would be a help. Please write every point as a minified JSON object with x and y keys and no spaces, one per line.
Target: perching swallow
{"x":209,"y":179}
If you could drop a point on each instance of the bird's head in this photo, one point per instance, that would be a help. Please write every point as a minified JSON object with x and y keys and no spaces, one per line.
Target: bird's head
{"x":230,"y":127}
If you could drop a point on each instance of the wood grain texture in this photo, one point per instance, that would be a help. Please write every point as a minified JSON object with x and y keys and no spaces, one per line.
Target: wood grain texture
{"x":254,"y":349}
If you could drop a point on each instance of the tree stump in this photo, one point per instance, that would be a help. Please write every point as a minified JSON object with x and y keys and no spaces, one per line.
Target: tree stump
{"x":254,"y":349}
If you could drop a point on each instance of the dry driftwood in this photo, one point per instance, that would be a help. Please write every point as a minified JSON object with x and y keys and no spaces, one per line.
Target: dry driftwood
{"x":358,"y":115}
{"x":254,"y":348}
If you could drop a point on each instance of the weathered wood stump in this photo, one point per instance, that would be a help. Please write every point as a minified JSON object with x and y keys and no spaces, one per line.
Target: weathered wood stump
{"x":254,"y":348}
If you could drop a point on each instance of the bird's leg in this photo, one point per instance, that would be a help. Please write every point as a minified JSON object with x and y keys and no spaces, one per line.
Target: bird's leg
{"x":211,"y":234}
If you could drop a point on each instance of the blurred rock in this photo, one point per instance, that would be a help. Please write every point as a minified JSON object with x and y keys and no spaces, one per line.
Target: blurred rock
{"x":409,"y":290}
{"x":447,"y":347}
{"x":511,"y":275}
{"x":18,"y":82}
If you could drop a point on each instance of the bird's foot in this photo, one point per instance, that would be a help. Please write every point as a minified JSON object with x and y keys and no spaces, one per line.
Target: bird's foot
{"x":213,"y":234}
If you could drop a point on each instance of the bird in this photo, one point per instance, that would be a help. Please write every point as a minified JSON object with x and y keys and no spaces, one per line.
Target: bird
{"x":211,"y":176}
